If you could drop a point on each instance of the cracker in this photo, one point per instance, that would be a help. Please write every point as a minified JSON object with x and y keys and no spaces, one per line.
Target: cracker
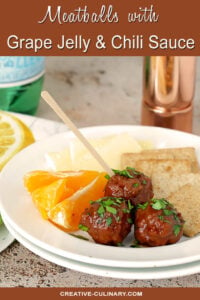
{"x":175,"y":176}
{"x":186,"y":153}
{"x":167,"y":166}
{"x":187,"y":201}
{"x":164,"y":184}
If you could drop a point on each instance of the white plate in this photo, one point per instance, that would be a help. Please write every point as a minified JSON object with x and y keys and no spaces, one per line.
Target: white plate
{"x":123,"y":273}
{"x":5,"y":238}
{"x":17,"y":207}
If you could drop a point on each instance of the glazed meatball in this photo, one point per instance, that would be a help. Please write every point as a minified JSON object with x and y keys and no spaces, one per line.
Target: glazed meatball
{"x":108,"y":220}
{"x":130,"y":184}
{"x":157,"y":223}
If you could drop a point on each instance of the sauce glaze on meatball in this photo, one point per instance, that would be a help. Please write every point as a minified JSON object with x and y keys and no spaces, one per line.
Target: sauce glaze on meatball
{"x":108,"y":220}
{"x":157,"y":223}
{"x":131,"y":185}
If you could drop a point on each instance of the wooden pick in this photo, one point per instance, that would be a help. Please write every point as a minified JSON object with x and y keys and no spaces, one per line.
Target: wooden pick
{"x":57,"y":109}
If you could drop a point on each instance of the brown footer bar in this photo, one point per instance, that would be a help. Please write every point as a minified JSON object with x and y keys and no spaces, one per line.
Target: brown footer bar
{"x":103,"y":293}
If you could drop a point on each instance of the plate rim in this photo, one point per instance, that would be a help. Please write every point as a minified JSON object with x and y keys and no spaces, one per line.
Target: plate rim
{"x":106,"y":271}
{"x":9,"y":238}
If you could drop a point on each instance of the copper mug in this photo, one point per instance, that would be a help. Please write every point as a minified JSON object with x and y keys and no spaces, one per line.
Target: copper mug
{"x":168,"y":91}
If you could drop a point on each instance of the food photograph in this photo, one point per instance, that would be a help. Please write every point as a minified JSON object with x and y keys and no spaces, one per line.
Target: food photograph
{"x":99,"y":171}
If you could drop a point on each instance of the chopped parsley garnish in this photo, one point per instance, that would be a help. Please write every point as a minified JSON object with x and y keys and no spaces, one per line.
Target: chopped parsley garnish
{"x":126,"y":172}
{"x":143,"y":205}
{"x":135,"y":172}
{"x":119,"y":245}
{"x":166,"y":221}
{"x":106,"y":205}
{"x":79,"y":236}
{"x":105,"y":199}
{"x":109,"y":221}
{"x":144,"y":181}
{"x":99,"y":200}
{"x":162,"y":218}
{"x":130,"y":221}
{"x":168,"y":212}
{"x":136,"y":184}
{"x":101,"y":210}
{"x":176,"y":217}
{"x":177,"y":229}
{"x":159,"y":204}
{"x":96,"y":201}
{"x":108,"y":202}
{"x":83,"y":227}
{"x":111,"y":209}
{"x":126,"y":210}
{"x":130,"y":206}
{"x":162,"y":204}
{"x":119,"y":200}
{"x":135,"y":244}
{"x":117,"y":218}
{"x":107,"y":176}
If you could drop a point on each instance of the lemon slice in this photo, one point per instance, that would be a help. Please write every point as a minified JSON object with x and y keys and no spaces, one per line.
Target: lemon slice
{"x":14,"y":136}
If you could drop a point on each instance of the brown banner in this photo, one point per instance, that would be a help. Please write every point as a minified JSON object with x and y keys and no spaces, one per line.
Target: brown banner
{"x":103,"y":293}
{"x":109,"y":27}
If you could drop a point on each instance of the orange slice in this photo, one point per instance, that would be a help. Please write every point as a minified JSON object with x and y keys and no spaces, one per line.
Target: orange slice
{"x":78,"y":180}
{"x":36,"y":179}
{"x":46,"y":197}
{"x":49,"y":188}
{"x":67,"y":213}
{"x":75,"y":180}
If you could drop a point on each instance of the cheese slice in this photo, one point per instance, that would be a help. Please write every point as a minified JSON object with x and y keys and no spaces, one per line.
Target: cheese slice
{"x":77,"y":157}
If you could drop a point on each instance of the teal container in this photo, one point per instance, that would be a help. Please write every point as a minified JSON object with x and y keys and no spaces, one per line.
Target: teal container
{"x":21,"y":81}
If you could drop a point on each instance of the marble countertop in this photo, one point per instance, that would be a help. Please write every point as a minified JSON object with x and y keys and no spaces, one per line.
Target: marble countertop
{"x":93,"y":91}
